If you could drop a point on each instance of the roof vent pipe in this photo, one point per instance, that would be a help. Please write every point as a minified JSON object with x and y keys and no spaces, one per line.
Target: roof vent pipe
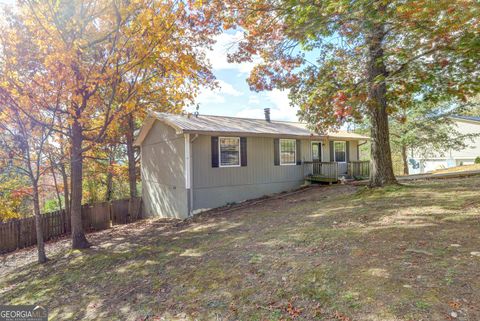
{"x":267,"y":114}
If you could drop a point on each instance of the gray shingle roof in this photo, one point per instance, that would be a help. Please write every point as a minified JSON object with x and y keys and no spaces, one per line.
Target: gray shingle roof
{"x":208,"y":124}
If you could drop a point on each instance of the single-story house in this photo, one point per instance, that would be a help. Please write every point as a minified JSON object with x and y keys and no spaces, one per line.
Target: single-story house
{"x":190,"y":163}
{"x":450,"y":158}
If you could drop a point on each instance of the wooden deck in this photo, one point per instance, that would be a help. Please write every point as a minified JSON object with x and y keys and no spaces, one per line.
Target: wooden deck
{"x":321,"y":179}
{"x":328,"y":172}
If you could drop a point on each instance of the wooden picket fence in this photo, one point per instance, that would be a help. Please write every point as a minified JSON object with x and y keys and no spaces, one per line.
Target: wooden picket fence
{"x":21,"y":233}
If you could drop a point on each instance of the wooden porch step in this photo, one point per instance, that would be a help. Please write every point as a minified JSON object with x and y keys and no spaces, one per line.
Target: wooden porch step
{"x":321,"y":179}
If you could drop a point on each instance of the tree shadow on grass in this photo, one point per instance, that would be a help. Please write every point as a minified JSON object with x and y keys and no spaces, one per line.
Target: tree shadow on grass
{"x":331,"y":248}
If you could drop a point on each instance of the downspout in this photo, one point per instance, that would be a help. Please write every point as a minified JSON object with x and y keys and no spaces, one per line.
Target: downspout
{"x":362,"y":143}
{"x":189,"y":171}
{"x":358,"y":149}
{"x":188,"y":174}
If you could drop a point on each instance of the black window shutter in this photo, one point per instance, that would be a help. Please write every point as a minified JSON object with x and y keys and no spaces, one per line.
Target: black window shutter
{"x":214,"y":151}
{"x":332,"y":151}
{"x":347,"y":151}
{"x":298,"y":144}
{"x":276,"y":152}
{"x":243,"y":151}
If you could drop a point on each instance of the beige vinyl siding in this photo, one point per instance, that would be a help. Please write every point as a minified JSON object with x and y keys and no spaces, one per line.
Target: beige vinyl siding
{"x":164,"y":189}
{"x":306,"y":150}
{"x":213,"y":187}
{"x":326,"y":150}
{"x":163,"y":173}
{"x":353,"y":150}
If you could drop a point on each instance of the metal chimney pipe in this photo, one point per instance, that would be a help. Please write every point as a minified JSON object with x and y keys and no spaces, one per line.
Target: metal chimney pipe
{"x":267,"y":114}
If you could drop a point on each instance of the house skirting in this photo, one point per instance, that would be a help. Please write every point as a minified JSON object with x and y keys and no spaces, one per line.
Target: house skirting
{"x":211,"y":197}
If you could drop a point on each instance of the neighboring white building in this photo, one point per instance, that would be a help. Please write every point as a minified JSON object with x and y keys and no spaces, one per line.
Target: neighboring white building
{"x":450,"y":158}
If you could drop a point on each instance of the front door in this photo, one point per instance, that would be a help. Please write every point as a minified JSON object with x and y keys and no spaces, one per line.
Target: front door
{"x":316,"y":151}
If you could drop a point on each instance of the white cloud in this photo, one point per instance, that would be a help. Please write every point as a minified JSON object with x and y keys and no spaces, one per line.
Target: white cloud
{"x":208,"y":96}
{"x":253,"y":99}
{"x":250,"y":113}
{"x":280,"y":108}
{"x":228,"y":89}
{"x":227,"y":43}
{"x":217,"y":95}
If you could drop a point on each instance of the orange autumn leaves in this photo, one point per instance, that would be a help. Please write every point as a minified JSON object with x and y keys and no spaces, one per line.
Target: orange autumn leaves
{"x":82,"y":67}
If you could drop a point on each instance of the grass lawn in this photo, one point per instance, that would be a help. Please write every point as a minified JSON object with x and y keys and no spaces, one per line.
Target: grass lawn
{"x":329,"y":253}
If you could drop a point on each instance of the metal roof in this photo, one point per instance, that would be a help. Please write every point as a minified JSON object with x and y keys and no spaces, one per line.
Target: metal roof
{"x":208,"y":124}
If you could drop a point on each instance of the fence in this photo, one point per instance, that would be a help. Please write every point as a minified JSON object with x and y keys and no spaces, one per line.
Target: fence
{"x":17,"y":234}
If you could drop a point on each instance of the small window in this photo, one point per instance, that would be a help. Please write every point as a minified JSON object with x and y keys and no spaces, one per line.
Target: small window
{"x":340,"y":152}
{"x":288,"y":149}
{"x":229,"y":151}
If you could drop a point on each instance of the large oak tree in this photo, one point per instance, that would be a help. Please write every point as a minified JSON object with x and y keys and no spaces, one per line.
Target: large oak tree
{"x":343,"y":60}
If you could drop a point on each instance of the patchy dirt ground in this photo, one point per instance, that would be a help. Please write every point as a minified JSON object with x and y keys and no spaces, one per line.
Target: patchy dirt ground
{"x":329,"y":253}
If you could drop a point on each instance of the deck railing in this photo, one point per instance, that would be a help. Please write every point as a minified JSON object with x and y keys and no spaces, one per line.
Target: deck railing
{"x":332,"y":170}
{"x":357,"y":169}
{"x":326,"y":169}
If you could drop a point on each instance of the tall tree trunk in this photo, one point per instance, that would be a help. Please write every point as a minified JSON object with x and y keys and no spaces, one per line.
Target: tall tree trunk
{"x":42,"y":258}
{"x":132,"y":174}
{"x":382,"y":167}
{"x":79,"y":241}
{"x":111,"y":150}
{"x":57,"y":190}
{"x":404,"y":159}
{"x":109,"y":192}
{"x":63,"y":171}
{"x":66,"y":192}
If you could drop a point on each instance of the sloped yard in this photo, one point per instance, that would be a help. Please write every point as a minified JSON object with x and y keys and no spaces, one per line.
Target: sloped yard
{"x":329,"y":253}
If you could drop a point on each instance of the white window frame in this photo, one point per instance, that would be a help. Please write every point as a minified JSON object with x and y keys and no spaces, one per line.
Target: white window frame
{"x":344,"y":143}
{"x":321,"y":149}
{"x":280,"y":152}
{"x":220,"y":152}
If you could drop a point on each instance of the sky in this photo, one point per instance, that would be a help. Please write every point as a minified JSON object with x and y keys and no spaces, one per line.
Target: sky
{"x":233,"y":97}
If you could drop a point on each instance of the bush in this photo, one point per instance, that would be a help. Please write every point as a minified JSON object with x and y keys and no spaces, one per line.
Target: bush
{"x":477,"y":160}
